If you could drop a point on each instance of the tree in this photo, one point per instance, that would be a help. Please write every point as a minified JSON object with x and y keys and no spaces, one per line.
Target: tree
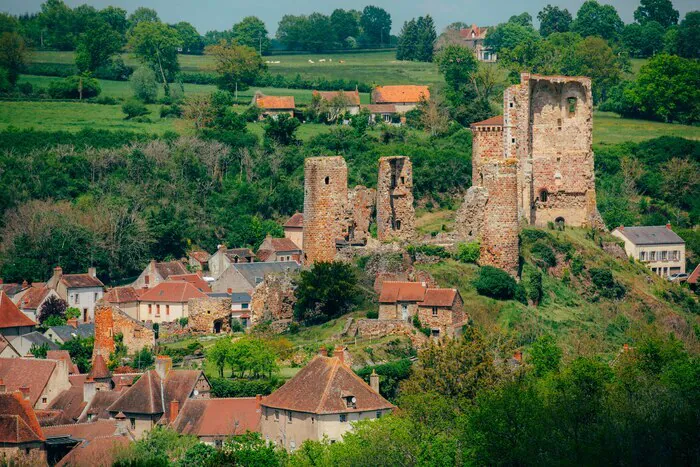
{"x":8,"y":23}
{"x":192,"y":42}
{"x":156,"y":44}
{"x":144,"y":85}
{"x":251,"y":31}
{"x":681,"y":178}
{"x":96,"y":46}
{"x":327,"y":290}
{"x":344,"y":24}
{"x":56,"y":20}
{"x":495,"y":283}
{"x":434,"y":118}
{"x":115,"y":17}
{"x":281,"y":129}
{"x":594,"y":19}
{"x":250,"y":449}
{"x":13,"y":55}
{"x":643,"y":41}
{"x":534,"y":287}
{"x":143,"y":359}
{"x":80,"y":351}
{"x":238,"y":65}
{"x":219,"y":354}
{"x":376,"y":24}
{"x":508,"y":36}
{"x":593,"y":57}
{"x":545,"y":355}
{"x":554,"y":19}
{"x":687,"y":41}
{"x":426,"y":37}
{"x":292,"y":32}
{"x":143,"y":15}
{"x":660,"y":11}
{"x":39,"y":351}
{"x":523,"y":19}
{"x":408,"y":41}
{"x":52,"y":307}
{"x":458,"y":65}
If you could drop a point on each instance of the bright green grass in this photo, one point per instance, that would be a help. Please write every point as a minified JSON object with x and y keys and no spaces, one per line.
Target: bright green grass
{"x":609,"y":128}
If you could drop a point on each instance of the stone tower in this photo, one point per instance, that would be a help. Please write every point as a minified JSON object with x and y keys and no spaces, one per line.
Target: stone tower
{"x":487,"y":145}
{"x":395,"y":213}
{"x":325,"y":205}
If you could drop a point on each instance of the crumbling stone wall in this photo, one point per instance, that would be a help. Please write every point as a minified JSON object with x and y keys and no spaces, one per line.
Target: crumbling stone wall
{"x":104,"y":332}
{"x":361,"y":202}
{"x":110,"y":321}
{"x":325,"y":201}
{"x":273,"y":299}
{"x":487,"y":145}
{"x":395,"y":212}
{"x":372,"y":328}
{"x":209,"y":314}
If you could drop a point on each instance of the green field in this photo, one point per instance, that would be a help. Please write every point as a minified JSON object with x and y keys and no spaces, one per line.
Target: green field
{"x":610,"y":128}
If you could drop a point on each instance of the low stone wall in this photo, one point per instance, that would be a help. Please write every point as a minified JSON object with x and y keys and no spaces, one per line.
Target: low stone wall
{"x":376,"y":328}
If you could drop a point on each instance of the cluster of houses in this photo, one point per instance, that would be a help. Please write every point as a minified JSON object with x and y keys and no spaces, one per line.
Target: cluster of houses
{"x":388,"y":103}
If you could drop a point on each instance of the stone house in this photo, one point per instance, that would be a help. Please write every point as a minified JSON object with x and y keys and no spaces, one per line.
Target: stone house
{"x":195,"y":279}
{"x":198,"y":260}
{"x":294,"y":229}
{"x":40,"y":380}
{"x":69,"y":331}
{"x":80,"y":291}
{"x":156,"y":272}
{"x":402,"y":97}
{"x":167,"y":301}
{"x":157,"y":395}
{"x":322,"y":400}
{"x":244,"y":277}
{"x":12,"y":321}
{"x":351,"y":99}
{"x":225,"y":257}
{"x":442,"y":311}
{"x":399,"y":300}
{"x":31,"y":300}
{"x":278,"y":250}
{"x":210,"y":314}
{"x":126,"y":298}
{"x":215,"y":420}
{"x":272,"y":106}
{"x":658,"y":247}
{"x":474,"y":37}
{"x":386,"y":113}
{"x":110,"y":321}
{"x":22,"y":345}
{"x":20,"y":433}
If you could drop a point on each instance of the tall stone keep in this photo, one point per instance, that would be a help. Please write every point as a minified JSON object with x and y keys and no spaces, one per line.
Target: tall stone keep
{"x":500,"y":226}
{"x":395,"y":212}
{"x":325,"y":206}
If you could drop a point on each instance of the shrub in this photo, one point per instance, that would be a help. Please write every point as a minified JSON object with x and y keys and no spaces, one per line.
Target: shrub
{"x":222,"y":387}
{"x":428,"y":250}
{"x":69,"y":88}
{"x":106,"y":100}
{"x":468,"y":252}
{"x":534,"y":287}
{"x":576,"y":265}
{"x":236,"y":325}
{"x":170,"y":111}
{"x":372,"y":314}
{"x":390,"y":375}
{"x":251,"y":114}
{"x":495,"y":283}
{"x":543,"y":255}
{"x":605,"y":283}
{"x":115,"y":70}
{"x":143,"y":83}
{"x":25,"y":88}
{"x":134,"y":109}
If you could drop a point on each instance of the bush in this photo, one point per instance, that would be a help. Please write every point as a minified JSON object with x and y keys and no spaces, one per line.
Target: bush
{"x":427,"y":250}
{"x":495,"y":283}
{"x":468,"y":252}
{"x":223,"y":387}
{"x":390,"y":375}
{"x":69,"y":88}
{"x":534,"y":287}
{"x":576,"y":265}
{"x":236,"y":325}
{"x":372,"y":315}
{"x":115,"y":70}
{"x":143,"y":83}
{"x":170,"y":111}
{"x":134,"y":109}
{"x":251,"y":114}
{"x":106,"y":100}
{"x":543,"y":255}
{"x":605,"y":283}
{"x":25,"y":88}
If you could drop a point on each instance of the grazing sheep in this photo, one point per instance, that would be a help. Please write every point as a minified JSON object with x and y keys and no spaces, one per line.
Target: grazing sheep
{"x":311,"y":61}
{"x":341,"y":61}
{"x":277,"y":61}
{"x":322,"y":60}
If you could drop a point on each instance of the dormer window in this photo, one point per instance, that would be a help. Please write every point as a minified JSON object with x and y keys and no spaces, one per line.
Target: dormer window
{"x":350,"y":402}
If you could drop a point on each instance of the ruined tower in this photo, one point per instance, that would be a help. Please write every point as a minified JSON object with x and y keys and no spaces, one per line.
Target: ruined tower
{"x":361,"y":203}
{"x":487,"y":145}
{"x":395,"y":213}
{"x":325,"y":205}
{"x":548,"y":128}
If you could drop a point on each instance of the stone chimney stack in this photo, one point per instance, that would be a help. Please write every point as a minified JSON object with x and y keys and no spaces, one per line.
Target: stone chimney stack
{"x":92,"y":271}
{"x":25,"y":391}
{"x":121,"y":423}
{"x":339,"y":352}
{"x":174,"y":410}
{"x":374,"y":381}
{"x":163,"y":366}
{"x":668,"y":225}
{"x":72,"y":322}
{"x":89,"y":390}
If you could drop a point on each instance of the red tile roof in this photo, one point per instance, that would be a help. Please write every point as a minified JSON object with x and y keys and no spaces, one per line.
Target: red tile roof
{"x":439,"y":297}
{"x":200,"y":255}
{"x":263,"y":255}
{"x":173,"y":292}
{"x":353,"y":97}
{"x":479,"y":33}
{"x":18,"y":422}
{"x":194,"y":279}
{"x":167,"y":268}
{"x":121,"y":295}
{"x":81,"y":280}
{"x":321,"y":387}
{"x":99,"y":404}
{"x":31,"y":372}
{"x":10,"y":315}
{"x":399,"y":94}
{"x":218,"y":417}
{"x":70,"y":402}
{"x":493,"y":121}
{"x":393,"y":292}
{"x":275,"y":102}
{"x":99,"y":369}
{"x":694,"y":276}
{"x":33,"y":297}
{"x":297,"y":220}
{"x":99,"y":452}
{"x":65,"y":356}
{"x":88,"y":431}
{"x":380,"y":108}
{"x":48,"y":417}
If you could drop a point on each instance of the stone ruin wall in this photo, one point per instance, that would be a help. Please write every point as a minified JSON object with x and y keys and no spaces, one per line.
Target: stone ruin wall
{"x":325,"y":205}
{"x":104,"y":329}
{"x":273,"y":299}
{"x":395,"y":212}
{"x":110,"y":321}
{"x":361,"y":204}
{"x":487,"y":144}
{"x":204,"y":312}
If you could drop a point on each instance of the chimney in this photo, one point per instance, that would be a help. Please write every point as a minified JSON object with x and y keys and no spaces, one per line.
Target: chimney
{"x":323,"y":352}
{"x":339,"y":352}
{"x":0,"y":281}
{"x":221,"y":247}
{"x":163,"y":366}
{"x":25,"y":284}
{"x":92,"y":271}
{"x":374,"y":381}
{"x":174,"y":410}
{"x":25,"y":391}
{"x":3,"y":388}
{"x":258,"y":399}
{"x":89,"y":390}
{"x":121,"y":423}
{"x":72,"y":322}
{"x":518,"y":356}
{"x":668,"y":225}
{"x":621,"y":228}
{"x":229,"y":291}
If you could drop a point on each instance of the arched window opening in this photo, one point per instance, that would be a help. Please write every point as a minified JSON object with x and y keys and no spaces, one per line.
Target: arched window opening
{"x":572,"y":101}
{"x":327,"y":180}
{"x":544,"y":195}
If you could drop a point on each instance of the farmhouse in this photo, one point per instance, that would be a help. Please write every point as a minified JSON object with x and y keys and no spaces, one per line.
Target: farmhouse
{"x":198,"y":259}
{"x":658,"y":247}
{"x":156,"y":272}
{"x":225,"y":257}
{"x":402,"y":97}
{"x":278,"y":249}
{"x":31,"y":300}
{"x":474,"y":37}
{"x":339,"y":102}
{"x":244,"y":277}
{"x":40,"y":380}
{"x":272,"y":106}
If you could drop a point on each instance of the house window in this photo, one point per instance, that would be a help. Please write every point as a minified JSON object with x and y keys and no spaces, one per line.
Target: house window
{"x":77,"y":298}
{"x":44,"y":400}
{"x":512,"y":140}
{"x":289,"y":416}
{"x":89,"y":417}
{"x":435,"y":311}
{"x":96,"y":296}
{"x":652,"y":256}
{"x":435,"y":332}
{"x":277,"y":415}
{"x":157,"y":310}
{"x":642,"y":255}
{"x":511,"y":105}
{"x":676,"y":255}
{"x":133,"y":423}
{"x":167,"y":310}
{"x":244,"y":306}
{"x":379,"y":414}
{"x":150,"y":309}
{"x":403,"y":180}
{"x":387,"y":118}
{"x":343,"y":418}
{"x":327,"y":180}
{"x":571,"y":101}
{"x":398,"y":225}
{"x":350,"y":402}
{"x":663,"y":255}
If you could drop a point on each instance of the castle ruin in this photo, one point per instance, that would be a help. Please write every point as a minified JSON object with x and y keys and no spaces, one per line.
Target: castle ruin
{"x":395,"y":213}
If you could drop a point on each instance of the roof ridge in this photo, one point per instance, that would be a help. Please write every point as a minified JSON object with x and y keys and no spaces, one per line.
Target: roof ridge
{"x":334,"y":370}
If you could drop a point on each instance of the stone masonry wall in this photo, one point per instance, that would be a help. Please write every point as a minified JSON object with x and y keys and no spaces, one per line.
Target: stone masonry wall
{"x":361,"y":202}
{"x":395,"y":212}
{"x":204,"y":312}
{"x":487,"y":144}
{"x":470,"y":216}
{"x":273,"y":299}
{"x":325,"y":201}
{"x":110,"y":321}
{"x":372,"y":328}
{"x":104,"y":332}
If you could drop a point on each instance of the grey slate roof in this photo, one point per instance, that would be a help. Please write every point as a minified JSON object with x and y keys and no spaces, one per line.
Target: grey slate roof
{"x":651,"y":235}
{"x":253,"y":271}
{"x":240,"y":298}
{"x":24,"y":343}
{"x":66,"y":332}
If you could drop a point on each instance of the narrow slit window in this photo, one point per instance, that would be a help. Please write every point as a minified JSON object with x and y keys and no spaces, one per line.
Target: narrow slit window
{"x":543,"y":196}
{"x":327,"y":180}
{"x":571,"y":101}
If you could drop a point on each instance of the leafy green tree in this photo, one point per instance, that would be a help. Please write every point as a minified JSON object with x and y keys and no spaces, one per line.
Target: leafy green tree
{"x":508,"y":36}
{"x":56,"y":19}
{"x":97,"y":46}
{"x":554,"y":19}
{"x":688,"y":37}
{"x":495,"y":283}
{"x":594,"y":19}
{"x":468,"y":252}
{"x":534,"y":286}
{"x":593,"y":57}
{"x":144,"y":85}
{"x":376,"y":24}
{"x":238,"y":65}
{"x":8,"y":23}
{"x":219,"y":354}
{"x":156,"y":44}
{"x":52,"y":307}
{"x":199,"y":455}
{"x":160,"y":446}
{"x":545,"y":355}
{"x":143,"y":359}
{"x":281,"y":129}
{"x":80,"y":351}
{"x":143,"y":15}
{"x":251,"y":356}
{"x":115,"y":17}
{"x":192,"y":42}
{"x":326,"y":291}
{"x":345,"y":24}
{"x":408,"y":41}
{"x":251,"y":31}
{"x":72,"y":312}
{"x":250,"y":449}
{"x":39,"y":351}
{"x":642,"y":41}
{"x":133,"y":109}
{"x":13,"y":55}
{"x":458,"y":66}
{"x":660,"y":11}
{"x":292,"y":32}
{"x":426,"y":37}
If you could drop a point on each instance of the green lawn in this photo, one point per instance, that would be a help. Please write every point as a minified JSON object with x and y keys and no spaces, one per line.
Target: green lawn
{"x":609,"y":128}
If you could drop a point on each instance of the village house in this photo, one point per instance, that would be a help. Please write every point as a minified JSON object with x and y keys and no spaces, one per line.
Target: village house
{"x":294,"y":229}
{"x":278,"y":250}
{"x":126,"y":298}
{"x":12,"y":321}
{"x":198,"y":260}
{"x":225,"y":257}
{"x":195,"y":279}
{"x":30,"y":301}
{"x":474,"y":37}
{"x":244,"y":277}
{"x":156,"y":272}
{"x":85,"y":444}
{"x":402,"y":97}
{"x":272,"y":106}
{"x":13,"y":288}
{"x":69,"y":331}
{"x":386,"y":113}
{"x":80,"y":291}
{"x":399,"y":300}
{"x":22,"y":345}
{"x":658,"y":247}
{"x":157,"y":394}
{"x":322,"y":400}
{"x":350,"y":101}
{"x":110,"y":322}
{"x":240,"y":308}
{"x":167,"y":301}
{"x":20,"y":433}
{"x":41,"y":380}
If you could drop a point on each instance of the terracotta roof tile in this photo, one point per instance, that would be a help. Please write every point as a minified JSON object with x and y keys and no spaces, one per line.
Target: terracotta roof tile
{"x":33,"y":297}
{"x":263,"y":255}
{"x":10,"y":315}
{"x":694,"y":276}
{"x":81,"y":280}
{"x":321,"y":387}
{"x":233,"y":253}
{"x":31,"y":372}
{"x":275,"y":102}
{"x":85,"y":431}
{"x":166,"y":269}
{"x":218,"y":417}
{"x":99,"y":452}
{"x":173,"y":292}
{"x":380,"y":108}
{"x":99,"y":404}
{"x":50,"y":417}
{"x":70,"y":402}
{"x":493,"y":121}
{"x":121,"y":295}
{"x":194,"y":279}
{"x":297,"y":220}
{"x":479,"y":33}
{"x":393,"y":292}
{"x":200,"y":255}
{"x":18,"y":422}
{"x":399,"y":94}
{"x":439,"y":297}
{"x":352,"y":96}
{"x":62,"y":355}
{"x":99,"y":369}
